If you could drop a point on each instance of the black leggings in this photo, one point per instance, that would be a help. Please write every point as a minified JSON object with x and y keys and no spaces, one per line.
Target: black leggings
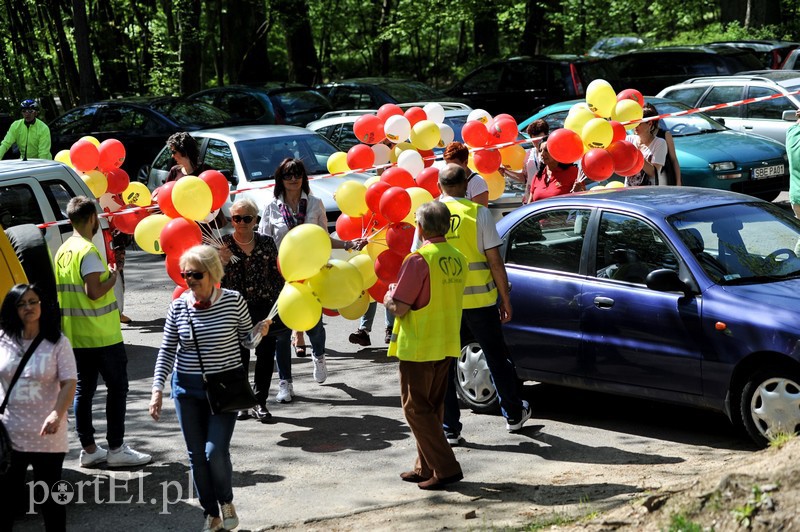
{"x":13,"y":490}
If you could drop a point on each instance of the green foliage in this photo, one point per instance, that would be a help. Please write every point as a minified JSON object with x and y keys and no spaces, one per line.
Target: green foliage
{"x":682,"y":523}
{"x":778,"y":440}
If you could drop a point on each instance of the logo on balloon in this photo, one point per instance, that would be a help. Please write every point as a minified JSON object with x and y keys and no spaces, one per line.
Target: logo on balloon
{"x":451,"y":266}
{"x":133,"y":197}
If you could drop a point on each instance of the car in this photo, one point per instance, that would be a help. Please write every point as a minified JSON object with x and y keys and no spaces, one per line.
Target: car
{"x":371,"y":93}
{"x":272,"y":103}
{"x":792,"y":61}
{"x":770,"y":118}
{"x":521,"y":85}
{"x":678,"y":294}
{"x":710,"y":155}
{"x":611,"y":46}
{"x":249,"y":155}
{"x":771,"y":53}
{"x":141,"y":124}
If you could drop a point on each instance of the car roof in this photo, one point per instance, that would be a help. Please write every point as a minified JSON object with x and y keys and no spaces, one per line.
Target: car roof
{"x":240,"y":133}
{"x":18,"y":165}
{"x":343,"y":117}
{"x":775,"y":76}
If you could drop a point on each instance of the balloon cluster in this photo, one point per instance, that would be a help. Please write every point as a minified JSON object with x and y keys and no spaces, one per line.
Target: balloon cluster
{"x":594,"y":133}
{"x":98,"y":164}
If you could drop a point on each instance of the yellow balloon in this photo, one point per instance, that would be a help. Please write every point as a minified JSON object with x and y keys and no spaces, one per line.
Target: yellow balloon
{"x":356,"y":309}
{"x":298,"y":306}
{"x":63,"y":157}
{"x":377,"y":244}
{"x":627,"y":111}
{"x":601,"y":98}
{"x":398,"y":149}
{"x":366,"y":267}
{"x":615,"y":184}
{"x":304,"y":250}
{"x":577,"y":118}
{"x":337,"y":284}
{"x":148,"y":233}
{"x":192,"y":197}
{"x":513,"y":157}
{"x":92,"y":140}
{"x":138,"y":194}
{"x":372,"y":180}
{"x":350,"y":197}
{"x":597,"y":133}
{"x":425,"y":135}
{"x":337,"y":163}
{"x":471,"y":162}
{"x":418,"y":196}
{"x":96,"y":181}
{"x":496,"y":183}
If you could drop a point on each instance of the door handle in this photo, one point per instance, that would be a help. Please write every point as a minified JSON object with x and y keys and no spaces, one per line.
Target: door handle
{"x":603,"y":302}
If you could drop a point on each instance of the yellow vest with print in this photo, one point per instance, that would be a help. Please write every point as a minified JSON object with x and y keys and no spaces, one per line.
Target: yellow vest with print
{"x":86,"y":322}
{"x":433,"y":332}
{"x":480,"y":290}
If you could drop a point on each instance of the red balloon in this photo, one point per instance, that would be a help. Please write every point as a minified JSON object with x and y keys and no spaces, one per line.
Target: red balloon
{"x":220,"y":189}
{"x":597,"y":164}
{"x":330,"y":312}
{"x":503,"y":129}
{"x":375,"y":221}
{"x":172,"y":264}
{"x":84,"y":156}
{"x":369,"y":129}
{"x":178,"y":292}
{"x":389,"y":109}
{"x":111,"y":154}
{"x":415,"y":114}
{"x":487,"y":161}
{"x":505,"y":115}
{"x":127,"y":222}
{"x":360,"y":156}
{"x":428,"y":157}
{"x":387,"y":266}
{"x":637,"y":166}
{"x":631,"y":94}
{"x":179,"y":235}
{"x":475,"y":134}
{"x":374,"y":193}
{"x":619,"y":131}
{"x":624,"y":155}
{"x":348,"y":228}
{"x":398,"y":177}
{"x":163,"y":196}
{"x":564,"y":145}
{"x":118,"y":180}
{"x":378,"y":290}
{"x":429,"y":180}
{"x":399,"y":238}
{"x":395,"y":204}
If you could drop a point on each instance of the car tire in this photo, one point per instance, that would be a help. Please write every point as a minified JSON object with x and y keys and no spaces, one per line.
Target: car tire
{"x":770,"y":404}
{"x":473,"y":380}
{"x":34,"y":255}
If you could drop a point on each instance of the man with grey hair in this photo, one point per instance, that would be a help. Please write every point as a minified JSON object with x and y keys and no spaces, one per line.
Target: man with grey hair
{"x":426,"y":302}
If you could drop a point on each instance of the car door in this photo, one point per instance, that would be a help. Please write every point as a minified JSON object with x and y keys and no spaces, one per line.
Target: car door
{"x":732,"y":116}
{"x":632,"y":335}
{"x":766,"y":117}
{"x":483,"y":89}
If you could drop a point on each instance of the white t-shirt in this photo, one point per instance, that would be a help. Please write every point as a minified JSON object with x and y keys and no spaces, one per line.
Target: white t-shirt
{"x":476,"y":185}
{"x":656,"y":154}
{"x":273,"y":224}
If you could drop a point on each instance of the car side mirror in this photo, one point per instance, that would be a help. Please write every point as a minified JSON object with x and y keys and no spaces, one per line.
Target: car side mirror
{"x":720,"y":120}
{"x":789,"y":116}
{"x":665,"y":280}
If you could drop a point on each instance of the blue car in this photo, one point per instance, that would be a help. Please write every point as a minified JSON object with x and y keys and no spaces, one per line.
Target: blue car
{"x":680,"y":294}
{"x":710,"y":155}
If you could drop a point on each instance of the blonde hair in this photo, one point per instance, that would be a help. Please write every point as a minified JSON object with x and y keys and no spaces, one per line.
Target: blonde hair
{"x":205,"y":256}
{"x":248,"y":205}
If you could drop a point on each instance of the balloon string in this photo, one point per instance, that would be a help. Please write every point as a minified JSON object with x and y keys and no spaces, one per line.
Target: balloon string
{"x":273,"y":312}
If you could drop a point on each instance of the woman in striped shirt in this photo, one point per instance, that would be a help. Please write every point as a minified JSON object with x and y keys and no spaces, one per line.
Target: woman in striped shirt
{"x":217,"y":322}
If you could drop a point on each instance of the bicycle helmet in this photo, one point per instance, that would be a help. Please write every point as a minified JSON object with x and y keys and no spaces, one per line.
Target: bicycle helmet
{"x":29,"y":104}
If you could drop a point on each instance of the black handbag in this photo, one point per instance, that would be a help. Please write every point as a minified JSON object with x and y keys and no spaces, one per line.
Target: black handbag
{"x":226,"y":391}
{"x":5,"y":438}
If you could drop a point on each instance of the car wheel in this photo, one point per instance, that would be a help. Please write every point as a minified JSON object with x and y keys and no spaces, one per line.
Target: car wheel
{"x":143,"y":176}
{"x":770,"y":404}
{"x":473,"y":381}
{"x":34,"y":256}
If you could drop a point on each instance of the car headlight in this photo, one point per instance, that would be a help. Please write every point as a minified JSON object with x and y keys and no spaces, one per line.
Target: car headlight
{"x":722,"y":167}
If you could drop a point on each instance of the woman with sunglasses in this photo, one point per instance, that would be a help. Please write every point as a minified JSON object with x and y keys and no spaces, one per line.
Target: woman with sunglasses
{"x":215,"y":322}
{"x":250,"y":260}
{"x":36,"y":413}
{"x":553,"y":178}
{"x":293,"y":204}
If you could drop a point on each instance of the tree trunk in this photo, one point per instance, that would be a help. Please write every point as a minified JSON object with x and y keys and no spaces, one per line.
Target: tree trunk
{"x":190,"y":52}
{"x":245,"y":27}
{"x":303,"y":64}
{"x":486,"y":31}
{"x":112,"y":48}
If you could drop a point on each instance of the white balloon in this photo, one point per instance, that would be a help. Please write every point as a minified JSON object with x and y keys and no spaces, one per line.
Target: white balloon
{"x":397,"y":128}
{"x":434,"y":112}
{"x":210,"y":218}
{"x":447,"y":134}
{"x":412,"y":161}
{"x":381,"y":152}
{"x":480,"y":115}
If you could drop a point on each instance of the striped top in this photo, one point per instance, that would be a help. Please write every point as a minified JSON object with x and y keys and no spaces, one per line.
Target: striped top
{"x":220,"y":329}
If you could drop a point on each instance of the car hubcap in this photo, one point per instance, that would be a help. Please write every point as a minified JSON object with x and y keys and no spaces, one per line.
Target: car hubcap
{"x":775,"y":407}
{"x":472,"y":373}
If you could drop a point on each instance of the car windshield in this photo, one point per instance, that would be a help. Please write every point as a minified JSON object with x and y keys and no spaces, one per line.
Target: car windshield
{"x":685,"y":125}
{"x":743,"y":243}
{"x":194,"y":114}
{"x":302,"y":101}
{"x":410,"y":91}
{"x":260,"y":157}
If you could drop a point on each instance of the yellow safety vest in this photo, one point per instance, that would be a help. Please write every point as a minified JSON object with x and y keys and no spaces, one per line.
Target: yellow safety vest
{"x":480,"y":290}
{"x":433,"y":332}
{"x":86,"y":322}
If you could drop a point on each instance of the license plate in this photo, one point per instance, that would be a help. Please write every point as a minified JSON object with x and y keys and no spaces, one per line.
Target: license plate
{"x":768,"y":171}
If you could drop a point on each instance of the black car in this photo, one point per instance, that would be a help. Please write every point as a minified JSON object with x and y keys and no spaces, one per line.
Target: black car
{"x":141,"y":124}
{"x":771,"y":53}
{"x":521,"y":86}
{"x":272,"y":103}
{"x":372,"y":93}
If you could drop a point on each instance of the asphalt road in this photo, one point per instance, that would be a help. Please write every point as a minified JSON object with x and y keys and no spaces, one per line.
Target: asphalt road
{"x":331,"y":459}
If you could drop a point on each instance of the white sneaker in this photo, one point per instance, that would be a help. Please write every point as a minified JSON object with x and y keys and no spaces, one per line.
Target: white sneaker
{"x":229,"y":518}
{"x":284,"y":392}
{"x":90,"y":459}
{"x":212,"y":524}
{"x":126,"y":457}
{"x":291,"y":389}
{"x":320,"y":369}
{"x":514,"y":425}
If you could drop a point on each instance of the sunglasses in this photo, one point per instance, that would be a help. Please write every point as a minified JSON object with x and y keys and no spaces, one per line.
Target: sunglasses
{"x":29,"y":110}
{"x":290,"y":177}
{"x":23,"y":304}
{"x":239,"y":219}
{"x":193,"y":275}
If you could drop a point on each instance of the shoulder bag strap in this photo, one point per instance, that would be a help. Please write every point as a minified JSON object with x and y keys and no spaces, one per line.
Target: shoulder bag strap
{"x":197,"y":346}
{"x":15,"y":378}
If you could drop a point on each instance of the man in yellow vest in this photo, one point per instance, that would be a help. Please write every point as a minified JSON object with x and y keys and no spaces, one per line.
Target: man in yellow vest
{"x":426,"y":302}
{"x":90,"y":319}
{"x":473,"y":233}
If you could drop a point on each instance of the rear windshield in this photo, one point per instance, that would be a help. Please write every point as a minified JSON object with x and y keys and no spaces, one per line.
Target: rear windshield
{"x":192,"y":114}
{"x":303,"y":101}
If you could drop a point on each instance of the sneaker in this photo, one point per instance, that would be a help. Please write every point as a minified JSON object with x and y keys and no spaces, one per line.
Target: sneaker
{"x":512,"y":425}
{"x":126,"y":457}
{"x":90,"y":459}
{"x":388,"y":338}
{"x":212,"y":524}
{"x":291,"y":390}
{"x":453,"y":438}
{"x":229,"y":518}
{"x":243,"y":414}
{"x":360,"y":337}
{"x":261,"y":414}
{"x":284,"y":393}
{"x":320,"y":369}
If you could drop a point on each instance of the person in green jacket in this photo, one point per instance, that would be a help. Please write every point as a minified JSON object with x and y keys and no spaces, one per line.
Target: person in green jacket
{"x":31,"y":136}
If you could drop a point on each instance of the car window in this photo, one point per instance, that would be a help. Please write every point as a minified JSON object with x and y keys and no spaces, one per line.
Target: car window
{"x":18,"y":205}
{"x":524,"y":75}
{"x":242,"y":105}
{"x":218,"y":156}
{"x":768,"y":109}
{"x":723,"y":94}
{"x":551,"y":240}
{"x":351,"y":98}
{"x":164,"y":161}
{"x":343,"y":136}
{"x":688,"y":95}
{"x":302,"y":101}
{"x":410,"y":91}
{"x":486,"y":79}
{"x":681,"y":126}
{"x":207,"y":97}
{"x":628,"y":249}
{"x":191,"y":114}
{"x":77,"y":121}
{"x":58,"y":194}
{"x":120,"y":119}
{"x":260,"y":157}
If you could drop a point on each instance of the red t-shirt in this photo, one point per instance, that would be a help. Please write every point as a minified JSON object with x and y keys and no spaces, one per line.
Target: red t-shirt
{"x":554,"y":183}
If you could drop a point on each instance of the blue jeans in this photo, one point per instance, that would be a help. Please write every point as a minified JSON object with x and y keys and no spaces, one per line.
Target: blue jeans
{"x":483,"y":326}
{"x":369,"y":316}
{"x":110,"y":362}
{"x":283,"y":353}
{"x":208,"y":441}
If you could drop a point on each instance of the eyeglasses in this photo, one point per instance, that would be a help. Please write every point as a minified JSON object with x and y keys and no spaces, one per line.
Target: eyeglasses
{"x":193,"y":275}
{"x":23,"y":304}
{"x":290,"y":177}
{"x":29,"y":110}
{"x":239,"y":219}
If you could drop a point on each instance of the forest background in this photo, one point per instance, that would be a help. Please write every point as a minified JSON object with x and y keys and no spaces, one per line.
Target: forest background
{"x":68,"y":52}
